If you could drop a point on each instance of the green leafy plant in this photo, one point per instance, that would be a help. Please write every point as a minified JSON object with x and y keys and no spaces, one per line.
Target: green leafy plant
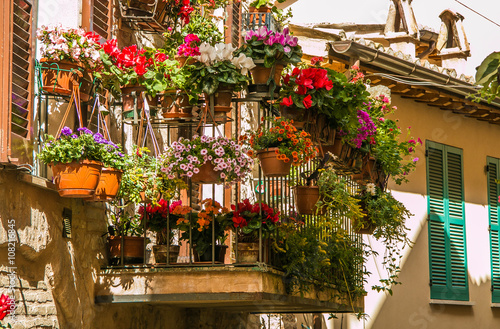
{"x":217,"y":66}
{"x":487,"y":76}
{"x":271,"y":47}
{"x":83,"y":145}
{"x":124,"y":222}
{"x":322,"y":256}
{"x":335,"y":196}
{"x":143,"y":175}
{"x":394,"y":154}
{"x":389,"y":217}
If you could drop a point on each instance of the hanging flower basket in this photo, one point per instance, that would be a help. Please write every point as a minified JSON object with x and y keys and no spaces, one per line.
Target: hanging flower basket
{"x":58,"y":77}
{"x":306,"y":198}
{"x":271,"y":165}
{"x":77,"y":179}
{"x":109,"y":184}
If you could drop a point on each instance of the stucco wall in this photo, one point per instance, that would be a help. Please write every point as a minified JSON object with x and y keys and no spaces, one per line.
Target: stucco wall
{"x":409,"y":307}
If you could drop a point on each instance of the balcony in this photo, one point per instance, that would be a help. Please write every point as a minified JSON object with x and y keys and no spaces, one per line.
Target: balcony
{"x":251,"y":289}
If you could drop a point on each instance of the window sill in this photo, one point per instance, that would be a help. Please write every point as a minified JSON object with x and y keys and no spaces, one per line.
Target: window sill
{"x":37,"y":181}
{"x":495,"y":305}
{"x":452,"y":302}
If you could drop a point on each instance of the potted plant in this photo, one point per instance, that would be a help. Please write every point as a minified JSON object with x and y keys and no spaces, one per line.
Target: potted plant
{"x":67,"y":54}
{"x":279,"y":145}
{"x":125,"y":237}
{"x":263,"y":5}
{"x":162,"y":219}
{"x":218,"y":73}
{"x":143,"y":181}
{"x":248,"y":220}
{"x":76,"y":161}
{"x":207,"y":160}
{"x":385,"y":218}
{"x":205,"y":228}
{"x":322,"y":97}
{"x":393,"y":153}
{"x":270,"y":51}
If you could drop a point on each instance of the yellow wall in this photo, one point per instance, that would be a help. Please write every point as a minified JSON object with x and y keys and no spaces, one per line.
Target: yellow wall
{"x":409,"y":306}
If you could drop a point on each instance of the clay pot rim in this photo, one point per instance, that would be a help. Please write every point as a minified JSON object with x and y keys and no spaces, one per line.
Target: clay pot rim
{"x":81,"y":161}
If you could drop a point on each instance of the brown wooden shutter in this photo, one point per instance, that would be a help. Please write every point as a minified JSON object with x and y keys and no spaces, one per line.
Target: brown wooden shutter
{"x":17,"y":82}
{"x":97,"y":16}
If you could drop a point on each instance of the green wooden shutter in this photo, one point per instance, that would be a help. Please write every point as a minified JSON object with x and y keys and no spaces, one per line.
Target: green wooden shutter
{"x":493,"y":193}
{"x":447,"y":248}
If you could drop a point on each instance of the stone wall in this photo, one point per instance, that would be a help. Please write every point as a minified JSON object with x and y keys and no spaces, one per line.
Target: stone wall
{"x":53,"y":277}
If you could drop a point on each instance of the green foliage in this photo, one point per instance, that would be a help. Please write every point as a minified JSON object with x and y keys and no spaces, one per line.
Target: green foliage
{"x":335,"y":196}
{"x":392,"y":152}
{"x":487,"y":76}
{"x":264,"y":3}
{"x":204,"y":27}
{"x":389,"y":216}
{"x":124,"y":222}
{"x":143,"y":174}
{"x":84,"y":145}
{"x":335,"y":259}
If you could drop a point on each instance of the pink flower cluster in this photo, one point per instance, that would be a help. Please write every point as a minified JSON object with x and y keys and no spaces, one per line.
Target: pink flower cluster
{"x":366,"y":130}
{"x":270,"y":38}
{"x":61,"y":43}
{"x":190,"y":47}
{"x":185,"y":157}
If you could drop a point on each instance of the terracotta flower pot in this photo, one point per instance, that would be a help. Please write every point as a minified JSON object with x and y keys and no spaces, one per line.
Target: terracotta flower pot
{"x":128,"y":99}
{"x":77,"y":179}
{"x":109,"y":184}
{"x":183,"y":60}
{"x":222,"y":100}
{"x":175,"y":104}
{"x":160,"y":253}
{"x":248,"y":252}
{"x":261,"y":9}
{"x":306,"y":198}
{"x":133,"y":249}
{"x":271,"y":165}
{"x":207,"y":174}
{"x":261,"y":74}
{"x":58,"y":77}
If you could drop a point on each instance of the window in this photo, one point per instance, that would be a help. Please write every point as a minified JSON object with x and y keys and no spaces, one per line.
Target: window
{"x":445,"y":205}
{"x":16,"y":81}
{"x":493,"y":171}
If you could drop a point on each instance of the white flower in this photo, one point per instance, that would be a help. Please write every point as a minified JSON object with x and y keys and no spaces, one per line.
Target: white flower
{"x":370,"y":188}
{"x":243,"y":63}
{"x":207,"y":54}
{"x":224,"y":51}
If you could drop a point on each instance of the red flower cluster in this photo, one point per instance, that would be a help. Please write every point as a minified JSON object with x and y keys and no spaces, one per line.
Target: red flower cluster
{"x":306,"y":80}
{"x":5,"y":303}
{"x":246,"y":211}
{"x":93,"y":36}
{"x":162,"y":209}
{"x":131,"y":57}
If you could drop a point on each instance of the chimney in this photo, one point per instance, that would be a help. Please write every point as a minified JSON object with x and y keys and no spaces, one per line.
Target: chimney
{"x":452,"y":45}
{"x":401,"y":29}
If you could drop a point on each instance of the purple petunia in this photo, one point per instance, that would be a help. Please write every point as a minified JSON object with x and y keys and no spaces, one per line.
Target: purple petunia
{"x":66,"y":131}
